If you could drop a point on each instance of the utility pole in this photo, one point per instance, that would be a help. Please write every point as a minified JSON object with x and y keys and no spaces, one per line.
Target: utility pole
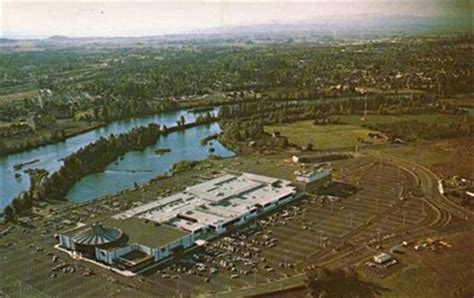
{"x":365,"y":110}
{"x":255,"y":276}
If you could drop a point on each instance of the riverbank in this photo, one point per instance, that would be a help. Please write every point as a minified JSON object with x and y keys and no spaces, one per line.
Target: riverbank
{"x":45,"y":136}
{"x":51,"y":157}
{"x":96,"y":156}
{"x":67,"y":128}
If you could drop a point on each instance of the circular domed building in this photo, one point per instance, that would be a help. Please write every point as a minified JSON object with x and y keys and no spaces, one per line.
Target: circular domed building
{"x":96,"y":236}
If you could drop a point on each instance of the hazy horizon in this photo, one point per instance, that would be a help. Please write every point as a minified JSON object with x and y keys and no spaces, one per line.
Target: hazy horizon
{"x":86,"y":19}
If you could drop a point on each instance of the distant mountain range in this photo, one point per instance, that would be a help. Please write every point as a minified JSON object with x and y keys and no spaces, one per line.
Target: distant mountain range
{"x":365,"y":23}
{"x":362,"y":22}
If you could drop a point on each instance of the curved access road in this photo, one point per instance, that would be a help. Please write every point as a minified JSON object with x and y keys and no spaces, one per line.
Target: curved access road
{"x":430,"y":185}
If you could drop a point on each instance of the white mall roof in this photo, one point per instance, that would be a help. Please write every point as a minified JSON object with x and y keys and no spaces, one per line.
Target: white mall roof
{"x":222,"y":188}
{"x":214,"y":202}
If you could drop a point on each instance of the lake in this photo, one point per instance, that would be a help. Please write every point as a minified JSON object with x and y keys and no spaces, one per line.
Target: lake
{"x":133,"y":167}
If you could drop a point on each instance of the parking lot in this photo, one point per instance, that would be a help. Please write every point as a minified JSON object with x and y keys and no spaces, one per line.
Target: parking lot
{"x":280,"y":245}
{"x":270,"y":248}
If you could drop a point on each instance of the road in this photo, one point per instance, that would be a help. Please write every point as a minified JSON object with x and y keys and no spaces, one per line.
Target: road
{"x":429,"y":183}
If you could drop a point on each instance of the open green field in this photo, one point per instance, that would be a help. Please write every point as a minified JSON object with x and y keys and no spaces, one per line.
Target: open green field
{"x":323,"y":137}
{"x":348,"y":134}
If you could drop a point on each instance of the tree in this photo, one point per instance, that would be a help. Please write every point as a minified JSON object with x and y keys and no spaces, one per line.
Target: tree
{"x":324,"y":282}
{"x":9,"y":214}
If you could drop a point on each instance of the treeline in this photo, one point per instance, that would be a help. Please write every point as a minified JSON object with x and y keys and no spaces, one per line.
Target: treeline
{"x":24,"y":201}
{"x":245,"y":121}
{"x":28,"y":141}
{"x":92,"y":158}
{"x":413,"y":130}
{"x":287,"y":111}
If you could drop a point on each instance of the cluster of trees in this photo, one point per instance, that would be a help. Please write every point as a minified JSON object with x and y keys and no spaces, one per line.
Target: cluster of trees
{"x":146,"y":80}
{"x":29,"y":140}
{"x":206,"y":118}
{"x":25,"y":200}
{"x":15,"y":129}
{"x":250,"y":132}
{"x":413,"y":130}
{"x":239,"y":131}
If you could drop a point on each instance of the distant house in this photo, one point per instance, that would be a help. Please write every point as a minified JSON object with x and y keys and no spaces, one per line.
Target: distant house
{"x":382,"y":258}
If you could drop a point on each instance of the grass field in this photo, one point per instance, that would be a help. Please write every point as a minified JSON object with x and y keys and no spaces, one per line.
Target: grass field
{"x":346,"y":135}
{"x":323,"y":137}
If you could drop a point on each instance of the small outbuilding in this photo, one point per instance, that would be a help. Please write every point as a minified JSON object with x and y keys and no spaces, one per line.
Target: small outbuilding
{"x":382,"y":258}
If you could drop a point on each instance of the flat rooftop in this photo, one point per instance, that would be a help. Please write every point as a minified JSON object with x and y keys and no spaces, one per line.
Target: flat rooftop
{"x":146,"y":233}
{"x":211,"y":203}
{"x":224,"y":187}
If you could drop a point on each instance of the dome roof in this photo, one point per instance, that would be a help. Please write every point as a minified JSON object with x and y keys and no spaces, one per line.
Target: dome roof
{"x":98,"y":235}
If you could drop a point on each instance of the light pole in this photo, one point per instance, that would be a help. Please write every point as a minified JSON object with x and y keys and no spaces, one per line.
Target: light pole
{"x":321,"y":238}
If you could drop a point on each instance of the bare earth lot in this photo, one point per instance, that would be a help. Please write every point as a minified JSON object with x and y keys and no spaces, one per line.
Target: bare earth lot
{"x":446,"y":158}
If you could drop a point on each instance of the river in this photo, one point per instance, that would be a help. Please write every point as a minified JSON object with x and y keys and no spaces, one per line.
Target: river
{"x":134,"y":167}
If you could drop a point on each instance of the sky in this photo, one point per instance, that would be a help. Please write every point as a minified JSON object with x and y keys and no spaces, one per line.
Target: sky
{"x":107,"y":19}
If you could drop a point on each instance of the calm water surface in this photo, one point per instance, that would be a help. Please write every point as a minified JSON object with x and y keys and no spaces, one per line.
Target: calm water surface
{"x":135,"y":167}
